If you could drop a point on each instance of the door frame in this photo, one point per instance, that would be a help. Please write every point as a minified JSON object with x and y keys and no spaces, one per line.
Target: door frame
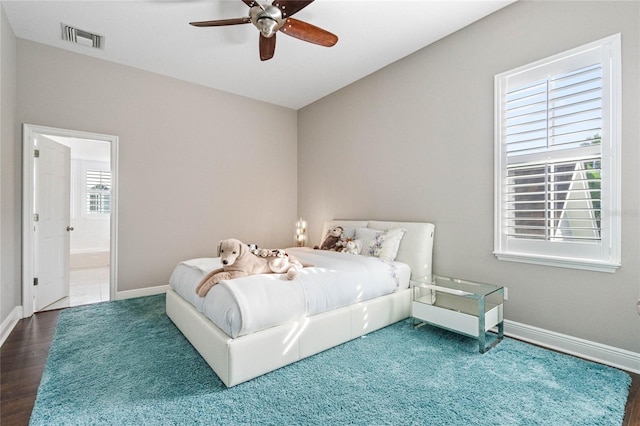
{"x":29,"y":131}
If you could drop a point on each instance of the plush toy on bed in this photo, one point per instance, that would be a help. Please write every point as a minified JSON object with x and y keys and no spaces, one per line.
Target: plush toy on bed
{"x":279,"y":261}
{"x":238,"y":261}
{"x":332,"y":241}
{"x":350,"y":246}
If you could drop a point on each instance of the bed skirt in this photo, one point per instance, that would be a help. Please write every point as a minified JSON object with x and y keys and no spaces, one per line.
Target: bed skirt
{"x":246,"y":357}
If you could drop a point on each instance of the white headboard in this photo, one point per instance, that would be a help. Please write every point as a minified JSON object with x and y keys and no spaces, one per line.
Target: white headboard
{"x":416,"y":247}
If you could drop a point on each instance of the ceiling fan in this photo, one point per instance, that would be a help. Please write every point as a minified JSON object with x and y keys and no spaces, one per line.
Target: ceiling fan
{"x":271,"y":18}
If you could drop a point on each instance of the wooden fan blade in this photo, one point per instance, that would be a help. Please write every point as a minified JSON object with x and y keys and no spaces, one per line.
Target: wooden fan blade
{"x":249,"y":3}
{"x":221,"y":22}
{"x":307,"y":32}
{"x":267,"y":47}
{"x":289,"y":7}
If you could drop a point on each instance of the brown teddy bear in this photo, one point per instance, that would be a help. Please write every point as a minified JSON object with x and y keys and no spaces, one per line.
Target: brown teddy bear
{"x":332,"y":241}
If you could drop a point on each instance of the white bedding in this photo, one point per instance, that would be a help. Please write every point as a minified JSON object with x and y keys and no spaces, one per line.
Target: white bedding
{"x":245,"y":305}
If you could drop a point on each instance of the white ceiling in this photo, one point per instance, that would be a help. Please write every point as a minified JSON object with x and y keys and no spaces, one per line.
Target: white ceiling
{"x":155,"y":36}
{"x":85,"y":149}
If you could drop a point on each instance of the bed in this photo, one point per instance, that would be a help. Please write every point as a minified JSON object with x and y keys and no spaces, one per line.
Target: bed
{"x":241,"y":340}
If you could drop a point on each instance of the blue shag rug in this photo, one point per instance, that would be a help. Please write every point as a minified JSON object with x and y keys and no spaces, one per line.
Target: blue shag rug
{"x":125,"y":363}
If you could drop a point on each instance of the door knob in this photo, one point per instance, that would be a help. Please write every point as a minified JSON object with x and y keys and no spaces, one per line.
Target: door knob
{"x":69,"y":228}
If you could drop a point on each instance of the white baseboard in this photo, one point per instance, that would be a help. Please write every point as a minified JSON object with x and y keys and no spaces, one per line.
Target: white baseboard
{"x":147,"y":291}
{"x":9,"y":323}
{"x":603,"y":354}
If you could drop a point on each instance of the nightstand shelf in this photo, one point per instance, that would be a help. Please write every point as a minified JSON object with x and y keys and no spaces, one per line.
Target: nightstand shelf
{"x":465,"y":307}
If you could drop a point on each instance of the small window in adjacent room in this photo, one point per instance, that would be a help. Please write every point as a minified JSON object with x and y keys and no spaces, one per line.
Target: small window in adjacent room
{"x":98,"y":190}
{"x":557,"y":167}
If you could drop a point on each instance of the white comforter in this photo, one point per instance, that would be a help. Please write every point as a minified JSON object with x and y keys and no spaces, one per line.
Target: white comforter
{"x":245,"y":305}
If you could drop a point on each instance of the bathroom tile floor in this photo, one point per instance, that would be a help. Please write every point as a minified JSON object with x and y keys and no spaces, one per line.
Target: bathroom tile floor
{"x":87,"y":286}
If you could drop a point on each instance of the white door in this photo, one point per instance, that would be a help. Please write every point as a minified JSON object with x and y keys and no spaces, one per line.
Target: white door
{"x":52,"y":205}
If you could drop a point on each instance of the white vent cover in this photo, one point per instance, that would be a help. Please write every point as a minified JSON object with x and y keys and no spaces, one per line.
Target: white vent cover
{"x":82,"y":37}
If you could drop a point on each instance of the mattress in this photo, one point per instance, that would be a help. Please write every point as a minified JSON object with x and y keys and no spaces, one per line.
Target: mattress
{"x":246,"y":305}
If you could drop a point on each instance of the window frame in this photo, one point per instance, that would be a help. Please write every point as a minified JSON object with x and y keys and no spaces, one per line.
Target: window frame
{"x":86,"y":213}
{"x":605,"y":255}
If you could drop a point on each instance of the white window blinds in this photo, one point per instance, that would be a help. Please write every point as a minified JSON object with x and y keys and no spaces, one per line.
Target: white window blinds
{"x":98,"y":187}
{"x":560,"y":112}
{"x":554,"y":195}
{"x":557,"y":173}
{"x":554,"y":200}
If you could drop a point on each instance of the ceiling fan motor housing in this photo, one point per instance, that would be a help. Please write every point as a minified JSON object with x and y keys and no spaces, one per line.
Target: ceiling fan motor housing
{"x":268,"y":19}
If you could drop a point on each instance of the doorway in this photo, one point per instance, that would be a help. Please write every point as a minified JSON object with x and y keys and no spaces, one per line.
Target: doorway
{"x":78,"y":266}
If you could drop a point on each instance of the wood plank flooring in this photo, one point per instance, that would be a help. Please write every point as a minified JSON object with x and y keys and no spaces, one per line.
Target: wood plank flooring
{"x":24,"y":353}
{"x":22,"y":359}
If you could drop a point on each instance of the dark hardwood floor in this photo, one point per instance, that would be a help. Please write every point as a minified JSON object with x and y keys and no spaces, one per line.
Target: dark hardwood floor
{"x":24,"y":353}
{"x":22,"y":359}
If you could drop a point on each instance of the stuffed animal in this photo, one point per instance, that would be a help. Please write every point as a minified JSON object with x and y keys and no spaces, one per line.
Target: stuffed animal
{"x":331,"y":242}
{"x":342,"y":242}
{"x":349,"y":246}
{"x":238,"y":261}
{"x":279,"y":261}
{"x":282,"y":263}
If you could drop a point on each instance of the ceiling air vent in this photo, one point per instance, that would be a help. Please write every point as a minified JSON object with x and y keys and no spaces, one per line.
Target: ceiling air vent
{"x":82,"y":37}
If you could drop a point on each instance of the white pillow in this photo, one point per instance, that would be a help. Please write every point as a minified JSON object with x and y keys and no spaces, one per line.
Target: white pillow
{"x":348,"y":233}
{"x":367,"y":236}
{"x":382,"y":244}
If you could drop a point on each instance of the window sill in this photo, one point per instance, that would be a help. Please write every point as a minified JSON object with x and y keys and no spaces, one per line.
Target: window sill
{"x":587,"y":265}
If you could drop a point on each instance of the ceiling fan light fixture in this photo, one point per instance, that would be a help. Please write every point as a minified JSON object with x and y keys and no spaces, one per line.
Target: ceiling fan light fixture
{"x":267,"y":19}
{"x":267,"y":26}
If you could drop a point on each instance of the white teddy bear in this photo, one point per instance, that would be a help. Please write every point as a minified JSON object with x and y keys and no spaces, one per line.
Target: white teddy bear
{"x":351,"y":247}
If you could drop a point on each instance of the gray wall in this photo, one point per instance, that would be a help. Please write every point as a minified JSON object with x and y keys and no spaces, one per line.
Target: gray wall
{"x":414,"y":142}
{"x":10,"y":199}
{"x":196,"y":165}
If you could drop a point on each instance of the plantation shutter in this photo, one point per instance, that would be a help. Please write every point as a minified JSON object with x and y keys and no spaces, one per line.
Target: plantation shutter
{"x":553,"y":143}
{"x":557,"y":159}
{"x":98,"y":184}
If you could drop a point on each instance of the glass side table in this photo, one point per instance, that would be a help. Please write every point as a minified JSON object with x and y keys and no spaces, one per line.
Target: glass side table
{"x":461,"y":306}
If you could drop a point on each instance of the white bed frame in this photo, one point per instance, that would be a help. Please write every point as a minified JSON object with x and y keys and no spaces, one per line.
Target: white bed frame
{"x":249,"y":356}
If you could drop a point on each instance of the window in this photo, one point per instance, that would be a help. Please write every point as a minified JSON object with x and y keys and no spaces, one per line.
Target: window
{"x":557,"y":159}
{"x":98,"y":184}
